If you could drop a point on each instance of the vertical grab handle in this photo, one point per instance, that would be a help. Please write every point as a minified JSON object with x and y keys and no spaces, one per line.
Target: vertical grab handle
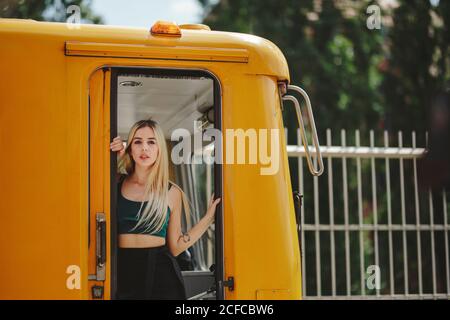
{"x":101,"y":246}
{"x":314,"y":171}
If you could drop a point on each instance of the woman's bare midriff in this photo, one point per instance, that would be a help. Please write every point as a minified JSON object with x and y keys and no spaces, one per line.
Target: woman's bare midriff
{"x":140,"y":241}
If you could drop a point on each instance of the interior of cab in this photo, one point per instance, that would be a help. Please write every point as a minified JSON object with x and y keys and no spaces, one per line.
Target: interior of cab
{"x":179,"y":102}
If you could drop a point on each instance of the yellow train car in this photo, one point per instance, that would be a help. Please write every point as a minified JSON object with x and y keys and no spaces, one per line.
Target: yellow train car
{"x":68,"y":90}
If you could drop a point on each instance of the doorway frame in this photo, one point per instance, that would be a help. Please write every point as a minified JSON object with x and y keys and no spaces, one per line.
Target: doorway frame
{"x":116,"y":71}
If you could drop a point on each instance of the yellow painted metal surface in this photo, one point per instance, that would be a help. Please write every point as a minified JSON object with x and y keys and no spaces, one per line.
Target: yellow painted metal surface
{"x":49,"y":176}
{"x":274,"y":294}
{"x":93,"y":49}
{"x":99,"y":165}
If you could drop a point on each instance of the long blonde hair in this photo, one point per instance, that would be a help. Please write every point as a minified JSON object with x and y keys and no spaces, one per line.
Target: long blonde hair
{"x":153,"y":217}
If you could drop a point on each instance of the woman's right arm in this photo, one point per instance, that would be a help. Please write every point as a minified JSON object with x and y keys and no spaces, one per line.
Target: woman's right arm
{"x":117,"y":146}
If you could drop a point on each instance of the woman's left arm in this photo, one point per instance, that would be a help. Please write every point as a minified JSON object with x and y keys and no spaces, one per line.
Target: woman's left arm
{"x":177,"y":242}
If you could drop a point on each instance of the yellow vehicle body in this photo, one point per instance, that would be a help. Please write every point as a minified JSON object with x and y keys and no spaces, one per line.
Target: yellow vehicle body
{"x":55,"y":154}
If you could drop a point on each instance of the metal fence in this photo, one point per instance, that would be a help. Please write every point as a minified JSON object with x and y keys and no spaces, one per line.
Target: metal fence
{"x":368,"y":230}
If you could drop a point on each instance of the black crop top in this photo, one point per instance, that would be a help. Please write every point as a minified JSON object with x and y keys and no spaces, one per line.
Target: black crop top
{"x":127,"y":216}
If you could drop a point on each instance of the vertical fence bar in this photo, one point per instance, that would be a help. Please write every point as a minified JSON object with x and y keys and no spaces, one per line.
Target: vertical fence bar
{"x":374,"y":204}
{"x":346,"y":222}
{"x":433,"y":253}
{"x":331,"y":212}
{"x":417,"y":205}
{"x":402,"y":196}
{"x":360,"y":217}
{"x":302,"y":213}
{"x":389,"y":212}
{"x":447,"y":261}
{"x":430,"y":203}
{"x":317,"y":224}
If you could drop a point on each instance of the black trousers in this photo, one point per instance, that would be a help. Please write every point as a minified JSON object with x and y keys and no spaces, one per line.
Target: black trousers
{"x":149,"y":273}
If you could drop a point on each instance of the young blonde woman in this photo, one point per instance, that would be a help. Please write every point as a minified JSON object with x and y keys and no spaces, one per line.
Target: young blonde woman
{"x":149,"y":218}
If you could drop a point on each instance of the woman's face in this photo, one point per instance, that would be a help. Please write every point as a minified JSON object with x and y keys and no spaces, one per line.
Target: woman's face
{"x":144,"y":148}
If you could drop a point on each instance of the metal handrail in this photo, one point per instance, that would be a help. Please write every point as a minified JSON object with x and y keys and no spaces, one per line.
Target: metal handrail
{"x":314,"y":171}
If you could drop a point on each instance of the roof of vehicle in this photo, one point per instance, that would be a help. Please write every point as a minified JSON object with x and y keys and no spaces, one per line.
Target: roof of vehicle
{"x":264,"y":57}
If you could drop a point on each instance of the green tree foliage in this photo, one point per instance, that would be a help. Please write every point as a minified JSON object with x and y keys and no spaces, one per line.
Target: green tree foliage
{"x":417,"y":65}
{"x":330,"y":52}
{"x":46,"y":10}
{"x":356,"y":77}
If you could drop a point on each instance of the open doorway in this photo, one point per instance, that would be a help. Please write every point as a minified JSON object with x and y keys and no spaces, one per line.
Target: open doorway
{"x":186,"y":101}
